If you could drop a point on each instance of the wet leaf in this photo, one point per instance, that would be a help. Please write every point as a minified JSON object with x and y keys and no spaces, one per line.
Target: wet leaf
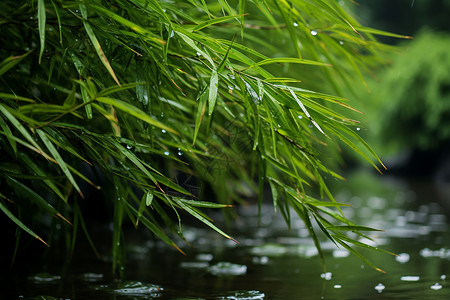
{"x":62,"y":164}
{"x":41,"y":24}
{"x":19,"y":223}
{"x":213,"y":87}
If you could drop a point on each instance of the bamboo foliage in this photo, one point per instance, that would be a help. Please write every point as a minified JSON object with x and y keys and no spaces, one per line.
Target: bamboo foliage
{"x":139,"y":91}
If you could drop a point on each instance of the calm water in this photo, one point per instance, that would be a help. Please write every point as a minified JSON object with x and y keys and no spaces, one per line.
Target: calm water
{"x":272,"y":262}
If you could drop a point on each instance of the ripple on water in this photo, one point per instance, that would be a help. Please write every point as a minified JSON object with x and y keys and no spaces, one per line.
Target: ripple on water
{"x":243,"y":295}
{"x":227,"y":269}
{"x":92,"y":277}
{"x":44,"y":278}
{"x":132,"y":288}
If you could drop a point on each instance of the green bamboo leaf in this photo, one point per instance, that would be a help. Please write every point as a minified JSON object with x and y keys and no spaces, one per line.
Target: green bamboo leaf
{"x":352,"y":228}
{"x":204,"y":204}
{"x":62,"y":164}
{"x":214,"y":21}
{"x":30,"y":164}
{"x":147,"y":34}
{"x":155,"y":229}
{"x":381,"y":32}
{"x":192,"y":44}
{"x":224,"y":60}
{"x":357,"y":254}
{"x":201,"y":109}
{"x":146,"y":200}
{"x":306,"y":112}
{"x":59,"y":22}
{"x":213,"y":87}
{"x":241,"y":14}
{"x":118,"y":89}
{"x":96,"y":44}
{"x":290,"y":60}
{"x":134,"y":111}
{"x":15,"y":97}
{"x":86,"y":99}
{"x":192,"y":211}
{"x":41,"y":23}
{"x":19,"y":223}
{"x":9,"y":63}
{"x":28,"y":193}
{"x":9,"y":134}
{"x":128,"y":154}
{"x":19,"y":126}
{"x":225,"y":6}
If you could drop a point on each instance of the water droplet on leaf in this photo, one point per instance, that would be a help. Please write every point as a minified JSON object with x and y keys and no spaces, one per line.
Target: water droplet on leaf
{"x":380,"y":287}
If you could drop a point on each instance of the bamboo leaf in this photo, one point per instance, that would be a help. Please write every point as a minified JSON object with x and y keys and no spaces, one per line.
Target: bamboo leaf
{"x":8,"y":133}
{"x":41,"y":23}
{"x":29,"y":163}
{"x":96,"y":43}
{"x":290,"y":60}
{"x":18,"y":126}
{"x":201,"y":109}
{"x":204,"y":204}
{"x":62,"y":164}
{"x":213,"y":86}
{"x":134,"y":111}
{"x":9,"y":63}
{"x":28,"y":193}
{"x":215,"y":21}
{"x":19,"y":223}
{"x":197,"y":215}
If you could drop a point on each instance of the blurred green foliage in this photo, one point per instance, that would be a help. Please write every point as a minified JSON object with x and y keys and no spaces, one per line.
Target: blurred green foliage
{"x":410,"y":104}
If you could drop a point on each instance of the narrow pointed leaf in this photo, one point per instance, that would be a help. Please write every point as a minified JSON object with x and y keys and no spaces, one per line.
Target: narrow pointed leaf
{"x":213,"y":87}
{"x":19,"y":223}
{"x":41,"y":23}
{"x":62,"y":164}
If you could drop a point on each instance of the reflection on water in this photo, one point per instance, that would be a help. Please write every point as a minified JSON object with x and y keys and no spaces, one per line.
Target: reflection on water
{"x":272,"y":262}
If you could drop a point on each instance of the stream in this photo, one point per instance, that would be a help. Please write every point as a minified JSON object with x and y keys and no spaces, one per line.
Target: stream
{"x":270,"y":261}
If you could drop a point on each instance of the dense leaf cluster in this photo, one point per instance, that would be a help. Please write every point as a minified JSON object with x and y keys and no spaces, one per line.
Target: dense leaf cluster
{"x":128,"y":96}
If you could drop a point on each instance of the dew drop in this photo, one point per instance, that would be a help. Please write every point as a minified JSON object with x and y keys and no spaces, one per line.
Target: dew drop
{"x":180,"y":153}
{"x":199,"y":54}
{"x":337,"y":286}
{"x":402,"y":258}
{"x":436,"y":286}
{"x":295,"y":24}
{"x":231,"y":76}
{"x":300,"y":117}
{"x":313,"y":32}
{"x":380,"y":287}
{"x":443,"y":277}
{"x":172,"y":33}
{"x":326,"y":276}
{"x":129,"y":147}
{"x":358,"y":129}
{"x":230,"y":87}
{"x":166,"y":152}
{"x":341,"y":43}
{"x":163,"y":131}
{"x":410,"y":278}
